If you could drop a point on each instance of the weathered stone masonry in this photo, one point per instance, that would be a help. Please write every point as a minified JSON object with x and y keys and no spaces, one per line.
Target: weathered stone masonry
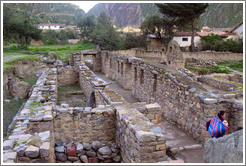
{"x":183,"y":101}
{"x":41,"y":124}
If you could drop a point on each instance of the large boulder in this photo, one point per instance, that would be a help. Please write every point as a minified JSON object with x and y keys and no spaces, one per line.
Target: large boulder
{"x":20,"y":89}
{"x":227,"y":149}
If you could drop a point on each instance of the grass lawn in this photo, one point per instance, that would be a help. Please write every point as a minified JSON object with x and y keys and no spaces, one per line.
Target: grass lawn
{"x":61,"y":50}
{"x":205,"y":70}
{"x":234,"y":65}
{"x":9,"y":111}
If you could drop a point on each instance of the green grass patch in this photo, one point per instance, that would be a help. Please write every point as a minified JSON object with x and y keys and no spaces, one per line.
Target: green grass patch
{"x":31,"y":80}
{"x":7,"y":65}
{"x":234,"y":65}
{"x":205,"y":70}
{"x":9,"y":111}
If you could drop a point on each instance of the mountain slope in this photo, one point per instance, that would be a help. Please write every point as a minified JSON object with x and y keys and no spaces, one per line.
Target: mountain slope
{"x":217,"y":15}
{"x":64,"y":13}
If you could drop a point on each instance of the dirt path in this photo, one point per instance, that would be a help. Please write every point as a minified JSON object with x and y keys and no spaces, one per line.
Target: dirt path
{"x":126,"y":94}
{"x":5,"y":59}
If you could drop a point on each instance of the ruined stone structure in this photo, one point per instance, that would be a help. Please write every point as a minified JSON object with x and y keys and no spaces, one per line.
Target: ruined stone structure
{"x":46,"y":132}
{"x":174,"y":55}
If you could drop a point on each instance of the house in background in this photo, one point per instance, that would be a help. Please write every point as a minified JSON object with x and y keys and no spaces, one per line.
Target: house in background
{"x":155,"y":43}
{"x":237,"y":31}
{"x":51,"y":26}
{"x":184,"y":40}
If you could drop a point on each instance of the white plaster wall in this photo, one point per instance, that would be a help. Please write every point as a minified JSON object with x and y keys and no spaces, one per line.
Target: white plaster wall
{"x":187,"y":43}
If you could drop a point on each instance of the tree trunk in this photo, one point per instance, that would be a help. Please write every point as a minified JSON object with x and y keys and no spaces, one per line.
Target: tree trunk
{"x":193,"y":49}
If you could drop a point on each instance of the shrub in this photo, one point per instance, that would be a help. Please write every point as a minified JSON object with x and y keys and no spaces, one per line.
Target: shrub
{"x":214,"y":42}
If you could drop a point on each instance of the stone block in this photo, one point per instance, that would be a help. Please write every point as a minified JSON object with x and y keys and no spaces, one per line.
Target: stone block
{"x":61,"y":157}
{"x":144,"y":136}
{"x":72,"y":158}
{"x":71,"y":151}
{"x":84,"y":159}
{"x":9,"y":156}
{"x":8,"y":144}
{"x":93,"y":160}
{"x":105,"y":151}
{"x":44,"y":136}
{"x":160,"y":147}
{"x":44,"y":149}
{"x":153,"y":107}
{"x":210,"y":101}
{"x":32,"y":151}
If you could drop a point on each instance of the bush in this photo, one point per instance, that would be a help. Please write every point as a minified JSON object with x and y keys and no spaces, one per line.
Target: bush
{"x":214,"y":42}
{"x":131,"y":40}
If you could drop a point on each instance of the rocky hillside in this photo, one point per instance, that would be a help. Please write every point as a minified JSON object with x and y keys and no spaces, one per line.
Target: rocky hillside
{"x":224,"y":15}
{"x":64,"y":13}
{"x":217,"y":15}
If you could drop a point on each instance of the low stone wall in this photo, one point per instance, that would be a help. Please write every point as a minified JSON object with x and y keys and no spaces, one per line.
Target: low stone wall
{"x":30,"y":139}
{"x":227,"y":149}
{"x":214,"y":56}
{"x":83,"y":152}
{"x":217,"y":83}
{"x":199,"y":62}
{"x":140,"y":140}
{"x":182,"y":100}
{"x":67,"y":76}
{"x":84,"y":124}
{"x":159,"y":56}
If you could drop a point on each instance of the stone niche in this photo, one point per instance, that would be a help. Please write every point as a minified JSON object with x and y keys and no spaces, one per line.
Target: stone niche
{"x":174,"y":55}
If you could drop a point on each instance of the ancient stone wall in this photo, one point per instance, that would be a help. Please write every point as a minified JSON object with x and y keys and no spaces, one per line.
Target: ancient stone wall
{"x":140,"y":140}
{"x":182,"y":100}
{"x":30,"y":139}
{"x":119,"y":69}
{"x":214,"y":56}
{"x":84,"y":124}
{"x":67,"y":76}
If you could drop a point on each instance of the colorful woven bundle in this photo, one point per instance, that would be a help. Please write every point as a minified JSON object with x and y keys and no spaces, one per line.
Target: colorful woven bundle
{"x":216,"y":127}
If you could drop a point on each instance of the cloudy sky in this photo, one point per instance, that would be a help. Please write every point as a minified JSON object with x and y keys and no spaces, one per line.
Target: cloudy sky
{"x":85,"y":5}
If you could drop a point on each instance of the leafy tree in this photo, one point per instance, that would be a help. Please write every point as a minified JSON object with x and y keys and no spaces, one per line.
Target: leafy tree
{"x":86,"y":25}
{"x":131,"y":40}
{"x":105,"y":35}
{"x":152,"y":24}
{"x":17,"y":24}
{"x":181,"y":14}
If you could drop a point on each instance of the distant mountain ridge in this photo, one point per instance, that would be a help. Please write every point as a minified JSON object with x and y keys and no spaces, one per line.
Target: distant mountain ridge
{"x":64,"y":13}
{"x":217,"y":15}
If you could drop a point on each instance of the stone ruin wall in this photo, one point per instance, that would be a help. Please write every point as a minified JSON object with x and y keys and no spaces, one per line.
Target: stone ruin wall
{"x":84,"y":124}
{"x":188,"y":107}
{"x":205,"y":57}
{"x":41,"y":124}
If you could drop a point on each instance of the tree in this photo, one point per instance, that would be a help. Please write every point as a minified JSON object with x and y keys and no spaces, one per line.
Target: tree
{"x":181,"y":14}
{"x":105,"y":35}
{"x":131,"y":40}
{"x":152,"y":24}
{"x":86,"y":25}
{"x":18,"y":24}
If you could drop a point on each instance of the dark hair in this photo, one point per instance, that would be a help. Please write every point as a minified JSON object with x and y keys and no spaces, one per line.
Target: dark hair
{"x":220,"y":114}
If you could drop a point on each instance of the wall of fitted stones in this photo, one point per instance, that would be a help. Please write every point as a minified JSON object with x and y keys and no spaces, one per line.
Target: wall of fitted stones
{"x":67,"y":76}
{"x":31,"y":138}
{"x":204,"y":55}
{"x":140,"y":140}
{"x":199,"y":62}
{"x":118,"y":68}
{"x":182,"y":105}
{"x":219,"y":84}
{"x":159,"y":56}
{"x":84,"y":152}
{"x":84,"y":124}
{"x":214,"y":56}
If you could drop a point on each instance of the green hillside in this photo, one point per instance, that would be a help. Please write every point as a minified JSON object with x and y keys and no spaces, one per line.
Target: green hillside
{"x":64,"y":13}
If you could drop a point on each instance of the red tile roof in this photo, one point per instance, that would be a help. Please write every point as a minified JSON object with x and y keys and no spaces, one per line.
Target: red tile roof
{"x":184,"y":34}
